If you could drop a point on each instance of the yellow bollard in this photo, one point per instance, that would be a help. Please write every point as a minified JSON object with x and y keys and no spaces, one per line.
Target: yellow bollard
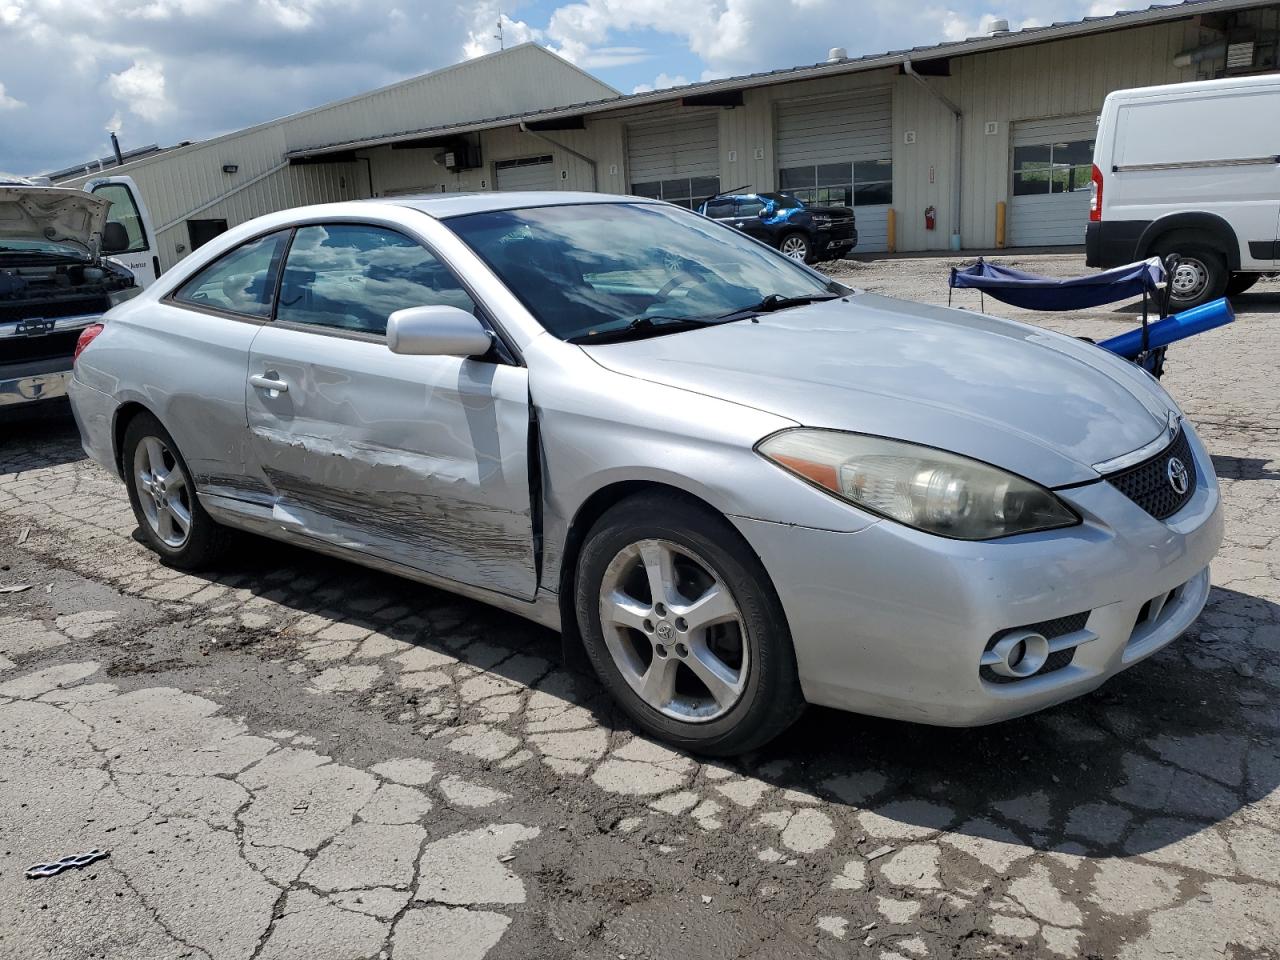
{"x":1000,"y":224}
{"x":893,"y":230}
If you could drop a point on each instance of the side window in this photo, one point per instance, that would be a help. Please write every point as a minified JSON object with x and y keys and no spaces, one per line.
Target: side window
{"x":241,"y":281}
{"x":124,"y":211}
{"x":750,"y":208}
{"x":353,"y":276}
{"x":720,"y":209}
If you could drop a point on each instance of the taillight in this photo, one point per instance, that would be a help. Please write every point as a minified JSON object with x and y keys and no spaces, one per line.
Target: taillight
{"x":1095,"y":194}
{"x":87,"y":336}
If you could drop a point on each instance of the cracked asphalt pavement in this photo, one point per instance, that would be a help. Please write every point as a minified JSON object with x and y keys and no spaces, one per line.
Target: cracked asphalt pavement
{"x":292,"y":757}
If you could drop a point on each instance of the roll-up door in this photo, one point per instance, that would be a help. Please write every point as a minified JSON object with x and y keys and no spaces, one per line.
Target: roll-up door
{"x":677,"y":160}
{"x":839,"y":150}
{"x":527,"y":173}
{"x":1049,"y":196}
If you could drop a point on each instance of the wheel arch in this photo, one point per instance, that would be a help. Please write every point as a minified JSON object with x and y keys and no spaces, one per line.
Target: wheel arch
{"x":1205,"y":227}
{"x":589,"y":511}
{"x":124,"y":415}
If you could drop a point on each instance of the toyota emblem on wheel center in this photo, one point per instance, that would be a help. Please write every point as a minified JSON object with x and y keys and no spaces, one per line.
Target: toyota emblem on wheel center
{"x":1178,"y":478}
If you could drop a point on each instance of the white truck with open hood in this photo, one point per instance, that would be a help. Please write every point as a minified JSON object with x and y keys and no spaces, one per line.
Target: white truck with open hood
{"x":66,"y":258}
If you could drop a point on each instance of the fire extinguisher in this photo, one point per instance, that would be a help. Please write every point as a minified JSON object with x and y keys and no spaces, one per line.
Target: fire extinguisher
{"x":930,"y":217}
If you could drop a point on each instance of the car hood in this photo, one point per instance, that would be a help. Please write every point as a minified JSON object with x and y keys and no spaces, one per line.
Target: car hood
{"x":56,"y":214}
{"x":1037,"y":403}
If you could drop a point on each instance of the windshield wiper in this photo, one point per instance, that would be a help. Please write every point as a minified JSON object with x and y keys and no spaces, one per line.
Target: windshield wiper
{"x":774,"y":302}
{"x":644,"y":326}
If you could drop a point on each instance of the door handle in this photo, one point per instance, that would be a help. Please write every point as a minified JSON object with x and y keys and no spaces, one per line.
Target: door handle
{"x":268,"y":382}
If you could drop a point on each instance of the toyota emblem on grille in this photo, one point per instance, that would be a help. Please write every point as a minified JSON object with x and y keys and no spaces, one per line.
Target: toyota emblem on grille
{"x":1178,"y":477}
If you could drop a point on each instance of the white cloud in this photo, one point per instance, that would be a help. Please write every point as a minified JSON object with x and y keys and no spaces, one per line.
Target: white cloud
{"x":7,"y":102}
{"x":662,"y":81}
{"x":141,"y":89}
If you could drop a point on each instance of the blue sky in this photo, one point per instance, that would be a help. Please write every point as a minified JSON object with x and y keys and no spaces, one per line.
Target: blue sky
{"x":160,"y":71}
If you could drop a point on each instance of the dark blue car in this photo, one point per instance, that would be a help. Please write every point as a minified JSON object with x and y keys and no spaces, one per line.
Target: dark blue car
{"x":799,"y":230}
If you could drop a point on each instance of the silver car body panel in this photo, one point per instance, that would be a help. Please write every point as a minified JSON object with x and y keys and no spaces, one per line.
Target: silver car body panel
{"x":471,"y":475}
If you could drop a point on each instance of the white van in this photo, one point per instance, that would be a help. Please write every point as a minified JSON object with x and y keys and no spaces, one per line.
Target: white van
{"x":1191,"y":169}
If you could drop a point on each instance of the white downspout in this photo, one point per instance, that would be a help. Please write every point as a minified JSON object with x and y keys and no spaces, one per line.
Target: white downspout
{"x":595,"y":174}
{"x":958,"y":187}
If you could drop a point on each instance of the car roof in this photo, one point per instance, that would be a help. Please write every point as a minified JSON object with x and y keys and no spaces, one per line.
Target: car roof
{"x":443,"y":205}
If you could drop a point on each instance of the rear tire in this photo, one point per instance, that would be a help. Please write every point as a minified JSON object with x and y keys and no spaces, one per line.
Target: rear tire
{"x":796,"y":246}
{"x":719,"y":618}
{"x":163,"y":496}
{"x":1240,"y":282}
{"x":1201,"y":275}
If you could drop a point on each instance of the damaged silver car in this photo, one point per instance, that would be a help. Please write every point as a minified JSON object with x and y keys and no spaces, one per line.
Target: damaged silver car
{"x":737,"y":485}
{"x":54,"y":281}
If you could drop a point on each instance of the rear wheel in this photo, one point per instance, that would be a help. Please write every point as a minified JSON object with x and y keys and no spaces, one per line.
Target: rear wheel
{"x":796,"y":246}
{"x":1240,"y":282}
{"x":681,"y":623}
{"x":163,"y":497}
{"x":1201,"y":274}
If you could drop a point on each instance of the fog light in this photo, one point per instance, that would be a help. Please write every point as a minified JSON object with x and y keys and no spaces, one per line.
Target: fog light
{"x":1020,"y":654}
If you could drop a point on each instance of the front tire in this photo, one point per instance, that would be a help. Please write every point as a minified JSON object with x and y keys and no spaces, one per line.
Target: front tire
{"x":1240,"y":282}
{"x":796,"y":246}
{"x":682,"y":625}
{"x":164,"y":501}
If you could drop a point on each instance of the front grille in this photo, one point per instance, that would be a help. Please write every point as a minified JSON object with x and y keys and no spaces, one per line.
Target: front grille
{"x":1148,"y":484}
{"x":1049,"y":629}
{"x":54,"y":307}
{"x":45,"y":347}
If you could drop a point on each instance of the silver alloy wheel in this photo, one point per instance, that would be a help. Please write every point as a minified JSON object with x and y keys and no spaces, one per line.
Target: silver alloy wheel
{"x":795,"y":247}
{"x":163,"y":491}
{"x":674,"y":631}
{"x":1189,"y":279}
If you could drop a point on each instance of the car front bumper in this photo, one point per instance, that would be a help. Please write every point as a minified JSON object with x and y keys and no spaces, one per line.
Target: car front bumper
{"x":893,"y":622}
{"x":31,"y":382}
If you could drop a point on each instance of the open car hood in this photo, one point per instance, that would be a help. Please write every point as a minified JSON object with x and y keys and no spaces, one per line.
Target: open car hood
{"x":53,"y":214}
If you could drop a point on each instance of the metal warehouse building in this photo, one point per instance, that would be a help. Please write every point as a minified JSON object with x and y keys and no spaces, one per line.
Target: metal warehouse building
{"x":993,"y":135}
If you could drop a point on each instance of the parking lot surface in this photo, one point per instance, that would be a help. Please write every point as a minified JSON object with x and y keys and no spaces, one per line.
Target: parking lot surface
{"x":292,"y":757}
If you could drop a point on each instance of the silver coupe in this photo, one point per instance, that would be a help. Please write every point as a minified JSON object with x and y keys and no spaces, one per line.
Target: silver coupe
{"x":737,"y":485}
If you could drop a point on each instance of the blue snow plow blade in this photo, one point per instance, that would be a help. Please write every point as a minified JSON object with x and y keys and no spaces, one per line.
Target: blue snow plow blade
{"x":1032,"y":292}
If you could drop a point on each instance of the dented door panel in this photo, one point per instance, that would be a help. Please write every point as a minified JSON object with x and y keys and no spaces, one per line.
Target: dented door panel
{"x":420,"y":460}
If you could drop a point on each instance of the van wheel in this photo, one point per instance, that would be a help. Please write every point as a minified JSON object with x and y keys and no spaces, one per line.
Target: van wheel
{"x":682,"y":625}
{"x":1201,"y":274}
{"x":164,"y":501}
{"x":1240,"y":282}
{"x":796,"y":246}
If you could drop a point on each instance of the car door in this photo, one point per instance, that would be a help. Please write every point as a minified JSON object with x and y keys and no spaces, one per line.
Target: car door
{"x":128,"y":209}
{"x":747,"y":218}
{"x":420,"y":460}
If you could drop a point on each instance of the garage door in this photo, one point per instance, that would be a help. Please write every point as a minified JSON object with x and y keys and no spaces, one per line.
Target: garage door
{"x":527,"y":173}
{"x":1049,"y":197}
{"x":839,"y":150}
{"x":677,"y":160}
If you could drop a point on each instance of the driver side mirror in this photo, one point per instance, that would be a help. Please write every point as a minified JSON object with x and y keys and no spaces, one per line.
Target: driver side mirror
{"x":115,"y":239}
{"x":437,"y":331}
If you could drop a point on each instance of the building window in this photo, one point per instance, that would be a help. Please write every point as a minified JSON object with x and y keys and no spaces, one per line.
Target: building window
{"x":1052,"y":167}
{"x":687,"y":192}
{"x":859,"y":184}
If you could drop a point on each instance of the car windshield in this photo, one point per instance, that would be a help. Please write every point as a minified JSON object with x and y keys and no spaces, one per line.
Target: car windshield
{"x":783,"y":201}
{"x":598,"y":269}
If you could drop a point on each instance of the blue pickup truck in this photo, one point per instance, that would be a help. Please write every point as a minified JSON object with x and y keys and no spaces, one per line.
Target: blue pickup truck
{"x":799,"y":230}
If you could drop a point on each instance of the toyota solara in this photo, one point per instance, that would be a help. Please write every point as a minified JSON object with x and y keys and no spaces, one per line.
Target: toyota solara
{"x":736,"y":485}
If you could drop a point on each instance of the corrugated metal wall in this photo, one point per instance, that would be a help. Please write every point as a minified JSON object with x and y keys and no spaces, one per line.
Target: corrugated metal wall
{"x":190,"y":182}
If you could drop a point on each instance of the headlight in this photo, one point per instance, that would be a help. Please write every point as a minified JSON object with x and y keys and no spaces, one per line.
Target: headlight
{"x":931,"y":490}
{"x":118,"y":297}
